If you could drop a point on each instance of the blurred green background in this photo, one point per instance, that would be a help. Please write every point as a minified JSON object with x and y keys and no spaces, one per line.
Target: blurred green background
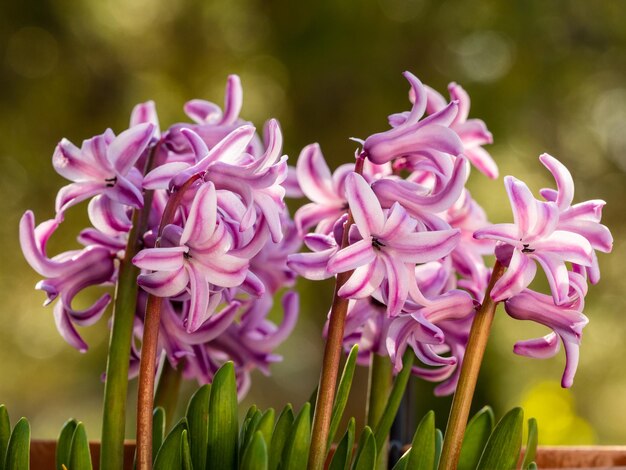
{"x":545,"y":76}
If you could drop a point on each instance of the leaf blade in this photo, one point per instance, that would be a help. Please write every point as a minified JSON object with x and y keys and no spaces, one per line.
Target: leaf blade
{"x":223,"y":434}
{"x":476,"y":436}
{"x":343,"y":391}
{"x":422,"y":455}
{"x":503,"y":447}
{"x":198,"y":423}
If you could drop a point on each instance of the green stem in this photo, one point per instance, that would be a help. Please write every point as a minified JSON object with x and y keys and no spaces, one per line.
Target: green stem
{"x":116,"y":385}
{"x":462,"y":401}
{"x":168,"y":389}
{"x":379,"y":387}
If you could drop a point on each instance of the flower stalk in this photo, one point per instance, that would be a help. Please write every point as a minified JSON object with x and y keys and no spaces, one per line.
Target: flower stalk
{"x":462,"y":401}
{"x":149,"y":346}
{"x":116,"y":384}
{"x":332,"y":357}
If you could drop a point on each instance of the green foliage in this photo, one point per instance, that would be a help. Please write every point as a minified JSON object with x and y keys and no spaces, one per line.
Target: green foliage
{"x":64,"y":444}
{"x":18,"y":449}
{"x":296,"y":450}
{"x":5,"y":433}
{"x":158,"y":430}
{"x":422,"y":455}
{"x":223,"y":420}
{"x":365,"y":458}
{"x":80,"y":457}
{"x":531,"y":444}
{"x":279,"y":437}
{"x":343,"y":452}
{"x":255,"y":457}
{"x":343,"y":391}
{"x":476,"y":435}
{"x":503,"y":447}
{"x":169,"y":456}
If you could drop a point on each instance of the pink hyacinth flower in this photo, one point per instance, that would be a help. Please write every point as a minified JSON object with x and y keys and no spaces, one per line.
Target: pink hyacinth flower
{"x":388,"y":249}
{"x":535,"y":237}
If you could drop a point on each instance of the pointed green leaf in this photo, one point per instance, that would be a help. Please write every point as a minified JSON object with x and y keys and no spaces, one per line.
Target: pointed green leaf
{"x":169,"y":456}
{"x":422,"y":456}
{"x":255,"y":457}
{"x":266,"y":425}
{"x":18,"y":448}
{"x":343,"y":452}
{"x":401,"y":463}
{"x":532,"y":466}
{"x":198,"y":425}
{"x":296,"y":450}
{"x":343,"y":391}
{"x":279,"y":436}
{"x":395,"y":398}
{"x":185,"y":452}
{"x":503,"y":447}
{"x":80,"y":457}
{"x":476,"y":435}
{"x":531,"y":444}
{"x":223,"y":426}
{"x":313,"y":401}
{"x":249,"y":431}
{"x":64,"y":443}
{"x":158,"y":430}
{"x":244,"y":424}
{"x":438,"y":447}
{"x":5,"y":433}
{"x":365,"y":458}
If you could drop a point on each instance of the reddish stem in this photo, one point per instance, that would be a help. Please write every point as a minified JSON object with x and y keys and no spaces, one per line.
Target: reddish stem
{"x":148,"y":363}
{"x":332,"y":358}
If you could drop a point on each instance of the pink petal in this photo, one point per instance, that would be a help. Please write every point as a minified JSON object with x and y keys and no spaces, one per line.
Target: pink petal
{"x":199,"y":291}
{"x":523,"y":204}
{"x":314,"y":176}
{"x":418,"y":97}
{"x":313,"y":213}
{"x":311,"y":265}
{"x":223,"y":271}
{"x":202,"y":219}
{"x":459,"y":94}
{"x":364,"y":206}
{"x":69,"y":162}
{"x":398,"y":223}
{"x":202,"y":112}
{"x":539,"y":348}
{"x":161,"y":259}
{"x":507,"y":233}
{"x":124,"y":192}
{"x":351,"y":257}
{"x":398,"y":284}
{"x":146,"y":113}
{"x":74,"y":193}
{"x":127,"y":147}
{"x":563,"y":178}
{"x":364,"y":281}
{"x":556,"y":272}
{"x":160,"y":177}
{"x":422,"y":247}
{"x":568,"y":246}
{"x":518,"y":276}
{"x":481,"y":159}
{"x":473,"y":133}
{"x":164,"y":283}
{"x":233,"y":100}
{"x":198,"y":146}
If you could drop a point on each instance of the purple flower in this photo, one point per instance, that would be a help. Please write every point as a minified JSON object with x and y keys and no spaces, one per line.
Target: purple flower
{"x":583,"y":218}
{"x":198,"y":258}
{"x":103,"y":165}
{"x":67,"y":274}
{"x":472,"y":132}
{"x":388,"y":247}
{"x":567,"y":322}
{"x":534,"y":237}
{"x":326,"y":191}
{"x":413,"y":136}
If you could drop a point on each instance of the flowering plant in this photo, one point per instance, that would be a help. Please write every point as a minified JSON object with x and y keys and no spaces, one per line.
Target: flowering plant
{"x":190,"y":224}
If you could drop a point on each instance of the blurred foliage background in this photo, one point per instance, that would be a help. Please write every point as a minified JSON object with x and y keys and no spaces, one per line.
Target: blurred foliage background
{"x":545,"y":76}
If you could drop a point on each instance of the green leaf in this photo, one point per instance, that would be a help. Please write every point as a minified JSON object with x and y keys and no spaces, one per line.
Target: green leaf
{"x":248,"y":432}
{"x":343,"y":390}
{"x":185,"y":452}
{"x":64,"y":443}
{"x":296,"y":450}
{"x":279,"y":436}
{"x":365,"y":458}
{"x":503,"y":447}
{"x":438,"y":447}
{"x":532,"y":466}
{"x":343,"y":452}
{"x":266,"y":425}
{"x":422,"y":456}
{"x":223,"y":426}
{"x":395,"y":398}
{"x":198,"y":424}
{"x":18,"y":448}
{"x":313,"y":401}
{"x":531,"y":444}
{"x":255,"y":457}
{"x":158,"y":430}
{"x":401,"y":463}
{"x":80,"y":457}
{"x":5,"y":433}
{"x":169,"y":456}
{"x":476,"y":435}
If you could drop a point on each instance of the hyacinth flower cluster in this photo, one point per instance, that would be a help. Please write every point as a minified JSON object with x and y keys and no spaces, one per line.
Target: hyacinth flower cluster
{"x":199,"y":209}
{"x":410,"y":244}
